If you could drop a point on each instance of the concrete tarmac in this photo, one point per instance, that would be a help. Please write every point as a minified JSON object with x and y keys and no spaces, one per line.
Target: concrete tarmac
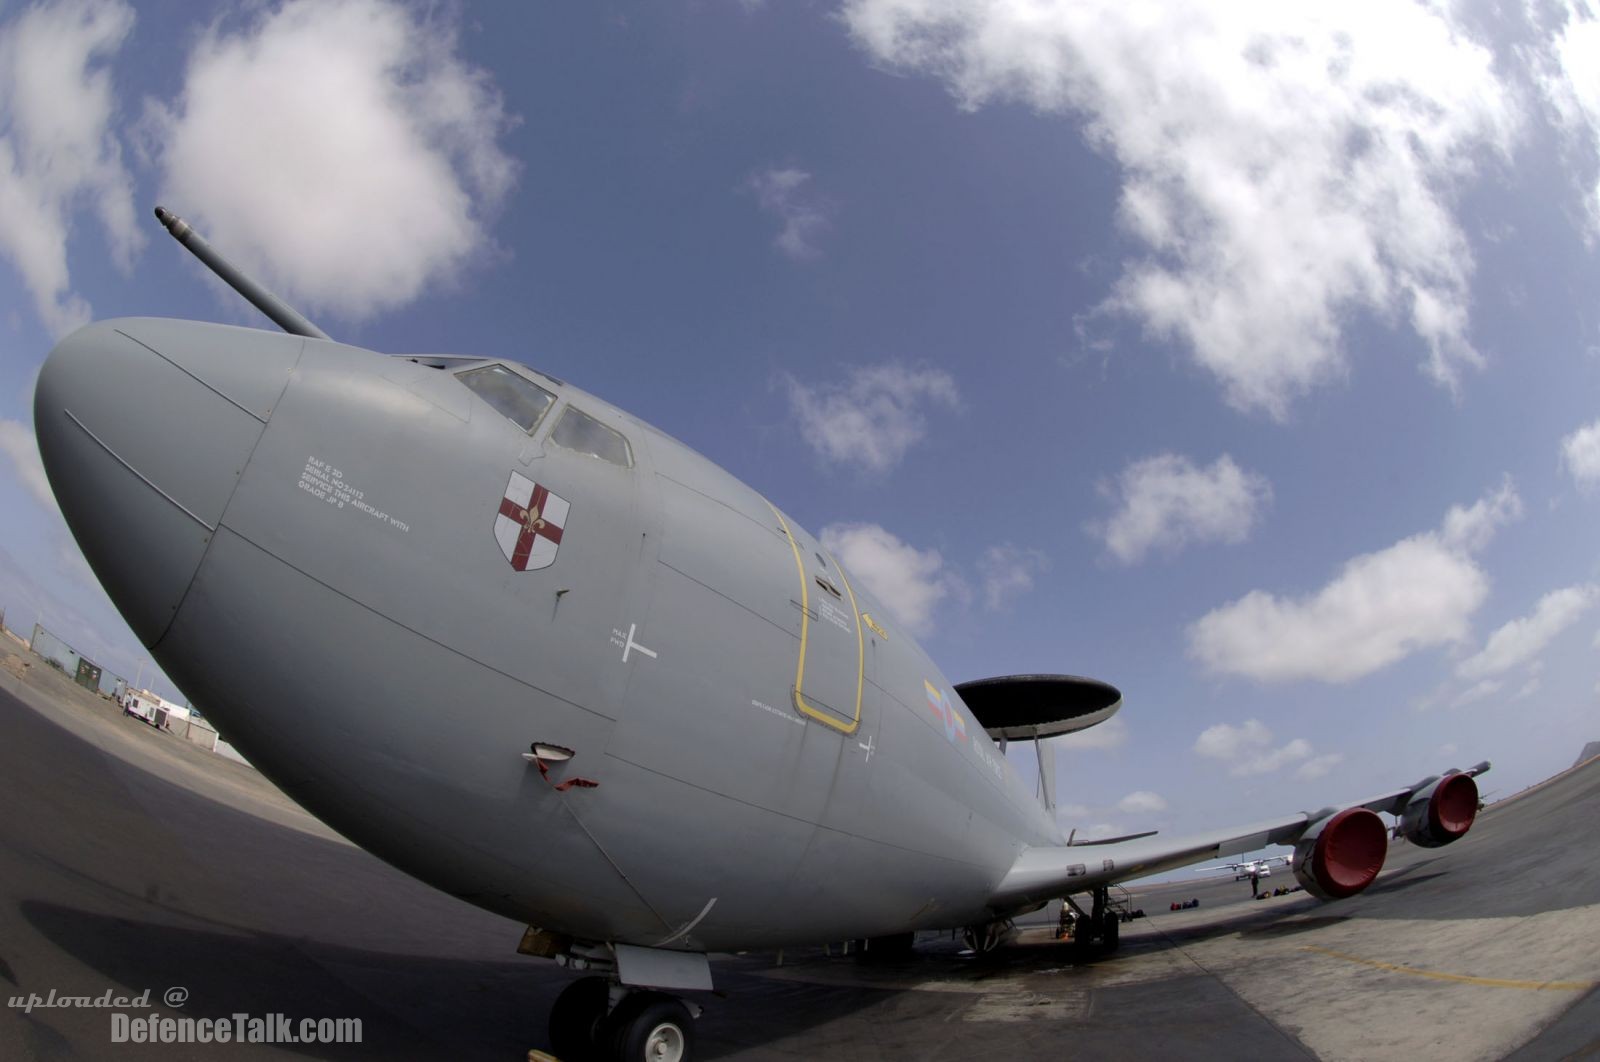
{"x":133,"y":861}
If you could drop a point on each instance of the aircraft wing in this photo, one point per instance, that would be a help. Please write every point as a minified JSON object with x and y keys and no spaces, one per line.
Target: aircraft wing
{"x":1338,"y":850}
{"x":1395,"y":802}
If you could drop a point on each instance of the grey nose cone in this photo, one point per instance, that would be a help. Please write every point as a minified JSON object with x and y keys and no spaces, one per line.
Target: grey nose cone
{"x":145,"y":427}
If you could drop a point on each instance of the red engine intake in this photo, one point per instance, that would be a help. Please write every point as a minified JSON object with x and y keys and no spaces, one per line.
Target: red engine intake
{"x":1442,"y":813}
{"x":1343,"y":855}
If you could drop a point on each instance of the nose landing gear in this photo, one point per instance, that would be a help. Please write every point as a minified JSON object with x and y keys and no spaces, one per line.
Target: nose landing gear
{"x":649,"y":1027}
{"x":641,"y":1026}
{"x":620,"y":1015}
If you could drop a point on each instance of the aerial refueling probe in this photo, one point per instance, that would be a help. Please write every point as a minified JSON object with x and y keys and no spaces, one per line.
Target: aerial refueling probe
{"x":262,"y":299}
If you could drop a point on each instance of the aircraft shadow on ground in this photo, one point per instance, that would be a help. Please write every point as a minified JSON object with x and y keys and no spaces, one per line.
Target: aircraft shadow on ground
{"x":259,"y":973}
{"x":1278,"y":919}
{"x":1291,"y":928}
{"x":1397,"y":884}
{"x":411,"y":1006}
{"x":1239,"y":918}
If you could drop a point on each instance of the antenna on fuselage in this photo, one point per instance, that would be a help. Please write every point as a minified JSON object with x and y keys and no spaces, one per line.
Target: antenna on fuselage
{"x":282,"y":314}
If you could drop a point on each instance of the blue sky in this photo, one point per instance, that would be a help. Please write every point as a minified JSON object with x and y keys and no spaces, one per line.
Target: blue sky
{"x":1245,"y":359}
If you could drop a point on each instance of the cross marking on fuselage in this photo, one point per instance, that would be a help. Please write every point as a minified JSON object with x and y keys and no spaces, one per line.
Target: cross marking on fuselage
{"x":632,"y":645}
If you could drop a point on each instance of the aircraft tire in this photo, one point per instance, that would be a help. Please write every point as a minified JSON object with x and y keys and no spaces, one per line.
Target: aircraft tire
{"x":1110,"y":930}
{"x":576,"y":1016}
{"x":649,"y":1027}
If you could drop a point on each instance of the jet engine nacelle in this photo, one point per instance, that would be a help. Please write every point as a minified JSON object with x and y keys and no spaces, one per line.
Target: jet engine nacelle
{"x":1342,"y":854}
{"x":1441,"y":813}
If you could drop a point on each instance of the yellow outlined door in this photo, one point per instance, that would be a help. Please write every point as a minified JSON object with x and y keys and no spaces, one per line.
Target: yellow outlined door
{"x":832,"y":665}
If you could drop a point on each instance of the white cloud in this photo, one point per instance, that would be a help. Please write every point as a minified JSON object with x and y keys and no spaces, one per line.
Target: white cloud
{"x":910,"y":582}
{"x":1007,"y":572}
{"x":1419,"y":593}
{"x":56,"y":148}
{"x":1318,"y":766}
{"x":1071,"y":816}
{"x":1528,"y":689}
{"x":339,"y":150}
{"x":1141,"y":802}
{"x":1283,"y":164}
{"x":1523,"y":639}
{"x":1111,"y":734}
{"x":789,"y":195}
{"x":1477,"y":692}
{"x":1471,"y":529}
{"x":18,"y":446}
{"x":872,"y":418}
{"x":1166,"y":502}
{"x":1249,"y":750}
{"x":1566,"y":77}
{"x":1580,"y":452}
{"x":1224,"y":741}
{"x":1379,"y":609}
{"x":913,"y":583}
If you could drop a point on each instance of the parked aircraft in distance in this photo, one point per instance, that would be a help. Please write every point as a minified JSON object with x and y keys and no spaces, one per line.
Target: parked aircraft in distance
{"x":535,"y":652}
{"x":1261,"y":868}
{"x":1252,"y":870}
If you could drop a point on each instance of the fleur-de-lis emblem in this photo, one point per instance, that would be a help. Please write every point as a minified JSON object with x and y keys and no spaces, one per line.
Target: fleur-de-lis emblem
{"x":529,"y":524}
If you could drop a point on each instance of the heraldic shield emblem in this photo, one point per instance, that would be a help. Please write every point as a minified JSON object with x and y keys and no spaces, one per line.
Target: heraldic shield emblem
{"x":529,"y":524}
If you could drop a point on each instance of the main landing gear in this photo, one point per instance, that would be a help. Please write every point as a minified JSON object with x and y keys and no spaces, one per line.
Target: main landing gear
{"x":636,"y":1026}
{"x":1096,"y":932}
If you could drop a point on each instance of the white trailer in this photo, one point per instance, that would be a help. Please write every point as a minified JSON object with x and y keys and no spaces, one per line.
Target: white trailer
{"x":152,"y":709}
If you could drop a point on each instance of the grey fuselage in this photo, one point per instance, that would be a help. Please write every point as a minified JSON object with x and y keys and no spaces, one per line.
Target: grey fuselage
{"x":306,"y":536}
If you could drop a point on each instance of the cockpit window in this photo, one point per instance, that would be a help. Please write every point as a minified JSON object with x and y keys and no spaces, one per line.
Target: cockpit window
{"x":576,"y":430}
{"x":523,"y":401}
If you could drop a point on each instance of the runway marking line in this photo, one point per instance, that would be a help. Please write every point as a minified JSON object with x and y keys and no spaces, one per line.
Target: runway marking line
{"x":1489,"y":982}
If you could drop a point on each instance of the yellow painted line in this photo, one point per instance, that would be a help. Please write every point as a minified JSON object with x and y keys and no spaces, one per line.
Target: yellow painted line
{"x":1487,"y":982}
{"x":825,"y":718}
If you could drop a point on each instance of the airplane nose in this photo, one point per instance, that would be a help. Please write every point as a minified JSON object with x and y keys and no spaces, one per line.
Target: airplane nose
{"x":145,"y":426}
